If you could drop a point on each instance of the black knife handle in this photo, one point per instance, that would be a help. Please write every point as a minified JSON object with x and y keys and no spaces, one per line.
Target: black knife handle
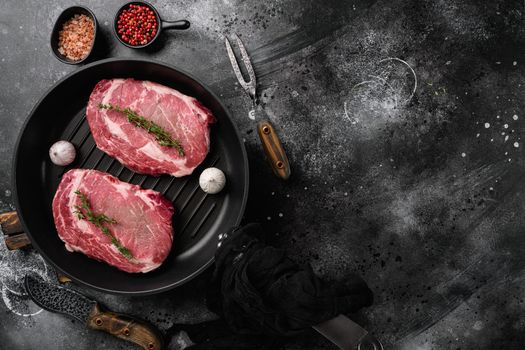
{"x":125,"y":327}
{"x":347,"y":334}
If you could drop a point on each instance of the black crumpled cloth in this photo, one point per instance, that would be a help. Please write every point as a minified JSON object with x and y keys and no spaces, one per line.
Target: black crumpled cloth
{"x":261,"y":296}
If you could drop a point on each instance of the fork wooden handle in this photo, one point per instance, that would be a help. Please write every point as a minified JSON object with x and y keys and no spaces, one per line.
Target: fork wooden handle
{"x":274,"y":149}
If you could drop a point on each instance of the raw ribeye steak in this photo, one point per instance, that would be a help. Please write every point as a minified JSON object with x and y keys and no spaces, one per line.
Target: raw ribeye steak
{"x":138,"y":228}
{"x":184,"y":118}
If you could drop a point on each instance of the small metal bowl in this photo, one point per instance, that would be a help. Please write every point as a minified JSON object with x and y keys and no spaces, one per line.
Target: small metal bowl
{"x":161,"y":24}
{"x":64,"y":16}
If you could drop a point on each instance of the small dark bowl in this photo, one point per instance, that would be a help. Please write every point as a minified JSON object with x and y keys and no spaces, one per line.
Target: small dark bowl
{"x":64,"y":16}
{"x":161,"y":25}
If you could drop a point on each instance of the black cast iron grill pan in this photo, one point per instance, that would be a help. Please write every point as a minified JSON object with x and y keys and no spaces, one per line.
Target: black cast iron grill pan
{"x":199,"y":218}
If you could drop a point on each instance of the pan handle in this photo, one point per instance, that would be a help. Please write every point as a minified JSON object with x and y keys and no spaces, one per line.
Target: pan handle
{"x":14,"y":235}
{"x":180,"y":25}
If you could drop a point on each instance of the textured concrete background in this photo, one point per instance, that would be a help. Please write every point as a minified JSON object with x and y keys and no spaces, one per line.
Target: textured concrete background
{"x":402,"y":120}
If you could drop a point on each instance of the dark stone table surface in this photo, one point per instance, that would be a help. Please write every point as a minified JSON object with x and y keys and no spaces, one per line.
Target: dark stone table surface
{"x":402,"y":120}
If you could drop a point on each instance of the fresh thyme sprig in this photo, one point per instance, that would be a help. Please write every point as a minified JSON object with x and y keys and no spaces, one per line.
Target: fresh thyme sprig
{"x":161,"y":135}
{"x":84,"y":212}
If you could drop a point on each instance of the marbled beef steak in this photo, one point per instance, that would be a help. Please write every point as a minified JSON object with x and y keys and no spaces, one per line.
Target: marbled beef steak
{"x":183,"y":117}
{"x":142,"y":225}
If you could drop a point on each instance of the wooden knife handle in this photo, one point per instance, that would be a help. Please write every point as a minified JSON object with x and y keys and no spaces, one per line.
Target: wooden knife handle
{"x":125,"y":327}
{"x":10,"y":223}
{"x":14,"y":238}
{"x":274,"y":149}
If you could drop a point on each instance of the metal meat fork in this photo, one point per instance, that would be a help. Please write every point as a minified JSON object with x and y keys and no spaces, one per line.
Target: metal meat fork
{"x":270,"y":141}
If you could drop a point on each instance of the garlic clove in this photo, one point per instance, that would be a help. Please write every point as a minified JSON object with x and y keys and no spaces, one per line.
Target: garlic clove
{"x":62,"y":153}
{"x":212,"y":180}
